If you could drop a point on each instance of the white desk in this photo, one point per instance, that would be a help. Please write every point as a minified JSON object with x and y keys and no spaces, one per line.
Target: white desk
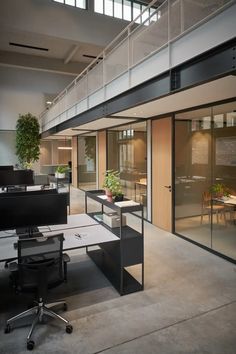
{"x":231,"y":200}
{"x":89,"y":236}
{"x":76,"y":220}
{"x":94,"y":234}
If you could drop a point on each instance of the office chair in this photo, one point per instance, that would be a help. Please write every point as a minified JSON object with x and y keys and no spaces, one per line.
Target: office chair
{"x":40,"y":267}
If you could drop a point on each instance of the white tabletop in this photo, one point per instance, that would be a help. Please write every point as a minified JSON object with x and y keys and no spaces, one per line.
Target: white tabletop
{"x":85,"y":236}
{"x":231,"y":201}
{"x":37,"y":187}
{"x":76,"y":220}
{"x":89,"y":235}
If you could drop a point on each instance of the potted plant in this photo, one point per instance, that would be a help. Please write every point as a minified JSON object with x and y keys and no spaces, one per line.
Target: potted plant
{"x":61,"y":171}
{"x":112,"y":185}
{"x":219,"y":190}
{"x":27,"y":140}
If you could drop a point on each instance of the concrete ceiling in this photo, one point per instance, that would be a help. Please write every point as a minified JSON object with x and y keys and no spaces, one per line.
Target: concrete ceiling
{"x":45,"y":35}
{"x":73,"y":55}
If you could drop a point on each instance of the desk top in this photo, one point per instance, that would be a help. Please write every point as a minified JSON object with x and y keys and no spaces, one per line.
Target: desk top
{"x":84,"y":236}
{"x":229,"y":200}
{"x":75,"y":237}
{"x":76,"y":220}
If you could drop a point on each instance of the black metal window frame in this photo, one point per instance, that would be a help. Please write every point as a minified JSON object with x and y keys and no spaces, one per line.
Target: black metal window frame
{"x":132,"y":2}
{"x":63,"y":2}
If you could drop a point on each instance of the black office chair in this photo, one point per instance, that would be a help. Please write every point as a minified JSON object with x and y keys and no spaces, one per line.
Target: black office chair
{"x":40,"y":267}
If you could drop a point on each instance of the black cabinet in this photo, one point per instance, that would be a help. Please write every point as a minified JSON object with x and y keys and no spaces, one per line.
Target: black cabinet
{"x":115,"y":258}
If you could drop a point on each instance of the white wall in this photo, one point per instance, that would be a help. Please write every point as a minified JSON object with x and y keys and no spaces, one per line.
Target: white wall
{"x":23,"y":91}
{"x":7,"y":148}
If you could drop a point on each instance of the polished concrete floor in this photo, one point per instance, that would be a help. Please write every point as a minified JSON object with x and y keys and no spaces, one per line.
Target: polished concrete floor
{"x":188,"y":305}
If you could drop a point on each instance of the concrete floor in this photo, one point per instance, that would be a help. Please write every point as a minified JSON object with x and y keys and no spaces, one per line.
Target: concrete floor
{"x":188,"y":305}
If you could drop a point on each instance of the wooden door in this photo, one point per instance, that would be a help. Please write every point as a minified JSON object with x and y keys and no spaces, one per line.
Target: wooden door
{"x":161,"y":173}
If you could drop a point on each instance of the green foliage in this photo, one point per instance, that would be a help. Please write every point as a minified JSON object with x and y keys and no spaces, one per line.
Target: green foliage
{"x":112,"y":182}
{"x":220,"y":190}
{"x":62,"y":169}
{"x":90,"y":147}
{"x":27,"y":139}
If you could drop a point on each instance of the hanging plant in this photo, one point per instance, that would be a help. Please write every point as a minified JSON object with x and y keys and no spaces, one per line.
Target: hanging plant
{"x":27,"y":140}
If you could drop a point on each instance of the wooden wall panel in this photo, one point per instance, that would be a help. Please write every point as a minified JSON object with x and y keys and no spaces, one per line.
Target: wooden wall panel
{"x":74,"y":161}
{"x":161,"y":173}
{"x":101,"y":157}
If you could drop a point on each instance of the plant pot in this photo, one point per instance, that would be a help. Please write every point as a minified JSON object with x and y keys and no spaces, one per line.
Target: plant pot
{"x":60,"y":175}
{"x":109,"y":195}
{"x":119,"y":198}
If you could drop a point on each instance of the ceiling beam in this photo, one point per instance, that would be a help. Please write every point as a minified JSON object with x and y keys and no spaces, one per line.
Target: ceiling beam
{"x":71,"y":54}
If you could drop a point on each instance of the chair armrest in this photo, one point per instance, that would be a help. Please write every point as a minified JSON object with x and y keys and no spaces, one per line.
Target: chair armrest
{"x":66,"y":258}
{"x":13,"y":266}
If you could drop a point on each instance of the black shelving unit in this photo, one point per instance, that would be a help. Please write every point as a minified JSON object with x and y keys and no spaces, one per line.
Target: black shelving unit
{"x":114,"y":257}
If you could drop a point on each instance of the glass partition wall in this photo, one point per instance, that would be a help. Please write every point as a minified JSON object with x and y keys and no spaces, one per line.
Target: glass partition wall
{"x":205,"y":177}
{"x":87,"y":175}
{"x":127,"y":153}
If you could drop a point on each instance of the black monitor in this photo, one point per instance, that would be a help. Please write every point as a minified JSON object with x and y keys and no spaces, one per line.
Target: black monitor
{"x":32,"y":210}
{"x":20,"y":193}
{"x":16,"y":178}
{"x":4,"y":168}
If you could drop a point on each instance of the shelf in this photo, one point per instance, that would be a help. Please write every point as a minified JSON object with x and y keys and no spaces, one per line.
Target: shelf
{"x":111,"y":271}
{"x":94,"y":194}
{"x":113,"y":257}
{"x":127,"y":231}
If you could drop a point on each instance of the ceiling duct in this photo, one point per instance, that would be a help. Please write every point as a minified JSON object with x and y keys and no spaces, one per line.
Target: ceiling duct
{"x":91,"y":56}
{"x":28,"y":46}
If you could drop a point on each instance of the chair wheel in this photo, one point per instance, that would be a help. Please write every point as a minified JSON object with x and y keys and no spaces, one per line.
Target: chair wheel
{"x":30,"y":345}
{"x":7,"y":329}
{"x":65,"y":307}
{"x":69,"y":329}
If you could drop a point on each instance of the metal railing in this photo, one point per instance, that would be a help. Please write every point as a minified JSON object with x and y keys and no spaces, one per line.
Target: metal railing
{"x":137,"y":42}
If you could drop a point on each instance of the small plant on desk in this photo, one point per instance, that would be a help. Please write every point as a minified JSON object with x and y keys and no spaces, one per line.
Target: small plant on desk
{"x":112,"y":185}
{"x":61,"y":171}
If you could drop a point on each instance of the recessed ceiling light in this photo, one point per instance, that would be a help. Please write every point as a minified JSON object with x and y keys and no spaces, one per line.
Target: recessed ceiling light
{"x":64,"y":148}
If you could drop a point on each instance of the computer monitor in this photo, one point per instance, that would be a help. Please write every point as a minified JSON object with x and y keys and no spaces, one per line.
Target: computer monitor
{"x":20,"y":193}
{"x":32,"y":210}
{"x":16,"y":178}
{"x":6,"y":167}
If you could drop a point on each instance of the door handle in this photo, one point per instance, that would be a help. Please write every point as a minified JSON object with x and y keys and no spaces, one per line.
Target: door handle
{"x":168,"y":187}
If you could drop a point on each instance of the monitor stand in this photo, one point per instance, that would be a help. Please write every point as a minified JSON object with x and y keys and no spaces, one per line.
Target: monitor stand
{"x":24,"y":232}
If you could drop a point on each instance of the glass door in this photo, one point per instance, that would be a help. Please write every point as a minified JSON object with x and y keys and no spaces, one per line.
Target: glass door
{"x":224,"y":178}
{"x":193,"y":175}
{"x":87,"y":176}
{"x":205,"y":177}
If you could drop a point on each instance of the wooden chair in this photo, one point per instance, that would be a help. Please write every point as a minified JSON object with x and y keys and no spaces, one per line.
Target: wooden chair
{"x":208,"y":207}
